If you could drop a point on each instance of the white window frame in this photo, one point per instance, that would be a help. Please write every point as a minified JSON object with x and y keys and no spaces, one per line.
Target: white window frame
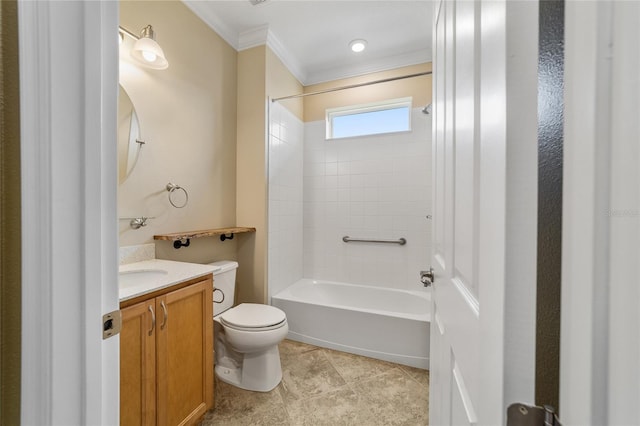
{"x":332,"y":113}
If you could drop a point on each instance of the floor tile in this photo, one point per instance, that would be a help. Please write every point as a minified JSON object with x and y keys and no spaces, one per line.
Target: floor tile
{"x":326,"y":387}
{"x":233,"y":405}
{"x":276,"y":417}
{"x":418,"y":374}
{"x":332,"y":409}
{"x":353,"y":368}
{"x":290,"y":349}
{"x":306,"y":374}
{"x":392,"y":398}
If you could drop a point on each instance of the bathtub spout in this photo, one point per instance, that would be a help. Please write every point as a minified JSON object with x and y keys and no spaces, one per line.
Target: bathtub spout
{"x":426,"y":277}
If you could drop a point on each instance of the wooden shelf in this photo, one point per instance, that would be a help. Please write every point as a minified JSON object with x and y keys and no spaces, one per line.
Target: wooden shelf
{"x":179,"y":236}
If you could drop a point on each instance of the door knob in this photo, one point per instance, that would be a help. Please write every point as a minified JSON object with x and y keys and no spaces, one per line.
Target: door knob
{"x":427,"y":277}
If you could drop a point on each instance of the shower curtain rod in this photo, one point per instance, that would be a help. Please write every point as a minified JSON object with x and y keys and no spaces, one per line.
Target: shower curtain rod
{"x":352,"y":86}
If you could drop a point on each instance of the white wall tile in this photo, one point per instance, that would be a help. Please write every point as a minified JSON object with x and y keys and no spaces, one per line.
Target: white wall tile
{"x":331,"y":168}
{"x":343,"y":168}
{"x":319,"y":191}
{"x":287,"y":165}
{"x":371,"y":187}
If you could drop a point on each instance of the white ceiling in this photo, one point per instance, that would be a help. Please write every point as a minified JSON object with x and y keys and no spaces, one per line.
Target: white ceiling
{"x":312,"y":36}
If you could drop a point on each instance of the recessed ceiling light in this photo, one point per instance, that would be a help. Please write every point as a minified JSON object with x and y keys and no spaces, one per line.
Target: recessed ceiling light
{"x":358,"y":45}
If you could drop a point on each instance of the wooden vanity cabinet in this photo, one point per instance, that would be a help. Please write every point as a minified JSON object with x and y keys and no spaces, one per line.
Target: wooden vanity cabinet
{"x":138,"y":365}
{"x":166,"y":356}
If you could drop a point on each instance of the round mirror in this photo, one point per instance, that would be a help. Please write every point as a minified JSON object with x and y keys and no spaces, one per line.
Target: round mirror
{"x":129,"y":139}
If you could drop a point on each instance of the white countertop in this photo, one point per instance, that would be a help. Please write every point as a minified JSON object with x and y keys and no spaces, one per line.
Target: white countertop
{"x":144,"y":277}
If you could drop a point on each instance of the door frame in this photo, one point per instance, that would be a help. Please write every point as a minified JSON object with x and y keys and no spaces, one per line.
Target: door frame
{"x":600,"y":343}
{"x":68,"y":100}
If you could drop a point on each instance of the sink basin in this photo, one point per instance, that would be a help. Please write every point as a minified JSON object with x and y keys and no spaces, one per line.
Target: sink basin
{"x":139,"y":277}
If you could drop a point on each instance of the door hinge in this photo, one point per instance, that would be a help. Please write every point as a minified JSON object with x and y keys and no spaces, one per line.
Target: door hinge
{"x":526,"y":415}
{"x":111,"y":324}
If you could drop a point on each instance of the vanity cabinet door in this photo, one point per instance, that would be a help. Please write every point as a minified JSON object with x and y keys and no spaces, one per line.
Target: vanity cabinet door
{"x":185,"y":353}
{"x":138,"y":365}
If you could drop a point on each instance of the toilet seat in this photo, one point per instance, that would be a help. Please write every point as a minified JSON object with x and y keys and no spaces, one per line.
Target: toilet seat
{"x":255,"y":329}
{"x":253,"y":317}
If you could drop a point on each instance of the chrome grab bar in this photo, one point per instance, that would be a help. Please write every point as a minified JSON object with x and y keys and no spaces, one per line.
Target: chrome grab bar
{"x":348,"y":239}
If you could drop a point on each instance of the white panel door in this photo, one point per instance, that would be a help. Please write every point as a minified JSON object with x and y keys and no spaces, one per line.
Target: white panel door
{"x":478,"y":187}
{"x":455,"y":326}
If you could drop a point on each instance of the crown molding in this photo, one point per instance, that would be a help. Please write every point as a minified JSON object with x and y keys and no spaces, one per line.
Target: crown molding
{"x":253,"y":37}
{"x":216,"y":24}
{"x":293,"y":65}
{"x":382,"y":64}
{"x":263,"y":36}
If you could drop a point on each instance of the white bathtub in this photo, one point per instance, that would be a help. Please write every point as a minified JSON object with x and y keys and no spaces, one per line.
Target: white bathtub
{"x":392,"y":325}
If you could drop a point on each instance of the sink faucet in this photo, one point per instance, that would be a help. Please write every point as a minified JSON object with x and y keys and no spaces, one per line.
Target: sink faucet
{"x":138,"y":222}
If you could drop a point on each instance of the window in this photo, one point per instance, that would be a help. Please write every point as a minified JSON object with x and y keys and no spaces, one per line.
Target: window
{"x":370,"y":119}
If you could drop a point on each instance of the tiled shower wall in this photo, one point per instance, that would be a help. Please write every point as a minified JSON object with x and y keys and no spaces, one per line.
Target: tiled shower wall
{"x":285,"y":247}
{"x":368,"y":187}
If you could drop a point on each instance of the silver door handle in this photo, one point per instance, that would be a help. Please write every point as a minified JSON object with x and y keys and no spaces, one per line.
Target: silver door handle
{"x":153,"y":320}
{"x":427,"y":277}
{"x":166,"y":314}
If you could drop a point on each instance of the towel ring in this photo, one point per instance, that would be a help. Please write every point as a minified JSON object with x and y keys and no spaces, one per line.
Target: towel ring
{"x":172,"y":187}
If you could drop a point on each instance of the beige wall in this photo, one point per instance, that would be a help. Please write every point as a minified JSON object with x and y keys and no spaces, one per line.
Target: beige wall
{"x":188,"y":121}
{"x":261,"y":75}
{"x":251,"y":174}
{"x":418,"y":87}
{"x":280,"y":82}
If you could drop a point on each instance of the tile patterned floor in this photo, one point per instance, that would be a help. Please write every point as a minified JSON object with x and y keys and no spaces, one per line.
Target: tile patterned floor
{"x":324,"y":387}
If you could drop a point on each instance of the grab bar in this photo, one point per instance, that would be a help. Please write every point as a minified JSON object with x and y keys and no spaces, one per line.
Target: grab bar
{"x":348,"y":239}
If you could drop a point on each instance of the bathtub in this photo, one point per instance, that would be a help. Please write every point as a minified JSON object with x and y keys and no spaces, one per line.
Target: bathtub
{"x":387,"y":324}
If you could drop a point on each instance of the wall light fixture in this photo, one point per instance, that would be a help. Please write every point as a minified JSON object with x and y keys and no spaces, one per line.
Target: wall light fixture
{"x":146,"y":51}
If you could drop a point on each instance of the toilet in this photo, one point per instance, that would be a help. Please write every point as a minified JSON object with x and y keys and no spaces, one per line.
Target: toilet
{"x":246,"y":336}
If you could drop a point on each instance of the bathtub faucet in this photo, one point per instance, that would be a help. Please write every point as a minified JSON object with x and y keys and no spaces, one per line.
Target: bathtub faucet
{"x":426,"y":277}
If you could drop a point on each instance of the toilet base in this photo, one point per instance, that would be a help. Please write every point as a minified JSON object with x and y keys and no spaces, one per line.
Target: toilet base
{"x":260,"y":372}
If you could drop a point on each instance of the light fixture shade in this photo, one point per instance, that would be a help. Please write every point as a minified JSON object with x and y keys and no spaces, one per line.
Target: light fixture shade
{"x":146,"y":51}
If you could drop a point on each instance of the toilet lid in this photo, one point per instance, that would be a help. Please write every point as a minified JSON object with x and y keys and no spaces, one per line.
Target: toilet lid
{"x":253,"y":315}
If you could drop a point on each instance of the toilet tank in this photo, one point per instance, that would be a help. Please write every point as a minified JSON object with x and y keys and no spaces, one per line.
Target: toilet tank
{"x":224,"y":282}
